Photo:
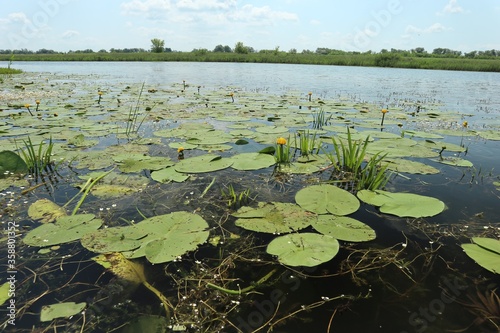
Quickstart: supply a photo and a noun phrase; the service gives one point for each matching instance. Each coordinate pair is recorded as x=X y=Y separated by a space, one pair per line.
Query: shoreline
x=389 y=60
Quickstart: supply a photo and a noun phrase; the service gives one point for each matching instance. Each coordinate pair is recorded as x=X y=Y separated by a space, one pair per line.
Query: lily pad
x=66 y=229
x=413 y=167
x=304 y=249
x=252 y=161
x=45 y=211
x=12 y=163
x=323 y=199
x=4 y=292
x=61 y=310
x=344 y=228
x=203 y=163
x=455 y=161
x=168 y=175
x=274 y=217
x=485 y=252
x=402 y=204
x=160 y=238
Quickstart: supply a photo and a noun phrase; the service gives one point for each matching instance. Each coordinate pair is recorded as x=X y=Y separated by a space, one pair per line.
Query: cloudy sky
x=354 y=25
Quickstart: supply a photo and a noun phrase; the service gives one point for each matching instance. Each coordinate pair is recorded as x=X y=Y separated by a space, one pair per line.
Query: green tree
x=240 y=48
x=157 y=45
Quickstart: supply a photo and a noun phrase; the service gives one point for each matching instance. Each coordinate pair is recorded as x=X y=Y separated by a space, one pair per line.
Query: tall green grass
x=347 y=59
x=38 y=159
x=348 y=160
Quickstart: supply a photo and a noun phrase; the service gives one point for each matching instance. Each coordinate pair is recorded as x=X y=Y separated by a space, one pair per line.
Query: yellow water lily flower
x=281 y=141
x=465 y=124
x=384 y=111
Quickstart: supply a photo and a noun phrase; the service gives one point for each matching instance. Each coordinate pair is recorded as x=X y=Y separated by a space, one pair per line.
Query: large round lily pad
x=274 y=217
x=485 y=252
x=252 y=161
x=203 y=163
x=323 y=199
x=304 y=249
x=402 y=204
x=343 y=228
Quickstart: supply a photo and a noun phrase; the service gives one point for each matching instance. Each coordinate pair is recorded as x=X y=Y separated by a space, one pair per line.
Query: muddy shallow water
x=414 y=277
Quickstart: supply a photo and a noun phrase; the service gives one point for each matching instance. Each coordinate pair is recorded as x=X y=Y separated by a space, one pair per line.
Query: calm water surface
x=473 y=93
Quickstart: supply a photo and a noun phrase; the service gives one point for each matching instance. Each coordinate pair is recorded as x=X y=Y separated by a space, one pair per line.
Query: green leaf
x=160 y=238
x=66 y=229
x=168 y=175
x=323 y=199
x=303 y=249
x=203 y=163
x=45 y=211
x=343 y=228
x=4 y=292
x=61 y=310
x=12 y=163
x=402 y=204
x=252 y=161
x=485 y=252
x=274 y=217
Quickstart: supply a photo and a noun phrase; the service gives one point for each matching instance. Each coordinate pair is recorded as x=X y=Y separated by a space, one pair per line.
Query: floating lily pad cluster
x=160 y=238
x=319 y=206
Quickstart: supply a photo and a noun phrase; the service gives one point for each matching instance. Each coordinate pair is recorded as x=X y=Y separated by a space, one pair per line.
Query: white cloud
x=70 y=34
x=205 y=4
x=451 y=7
x=315 y=22
x=137 y=7
x=249 y=13
x=434 y=28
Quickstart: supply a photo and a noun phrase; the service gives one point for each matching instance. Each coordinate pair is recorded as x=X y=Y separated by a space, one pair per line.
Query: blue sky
x=353 y=25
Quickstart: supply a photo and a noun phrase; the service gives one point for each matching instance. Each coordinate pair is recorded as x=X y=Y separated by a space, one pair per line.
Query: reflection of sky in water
x=462 y=91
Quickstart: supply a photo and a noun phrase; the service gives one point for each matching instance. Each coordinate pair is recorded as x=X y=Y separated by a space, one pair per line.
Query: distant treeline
x=487 y=61
x=242 y=49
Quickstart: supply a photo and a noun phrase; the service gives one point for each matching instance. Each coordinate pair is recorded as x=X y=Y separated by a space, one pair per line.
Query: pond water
x=414 y=277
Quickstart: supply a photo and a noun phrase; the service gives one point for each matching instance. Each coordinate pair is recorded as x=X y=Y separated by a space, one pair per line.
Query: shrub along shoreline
x=393 y=60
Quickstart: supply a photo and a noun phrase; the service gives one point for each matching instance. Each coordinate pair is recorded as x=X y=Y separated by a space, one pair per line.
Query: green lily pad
x=273 y=217
x=485 y=252
x=61 y=310
x=108 y=191
x=304 y=249
x=455 y=161
x=45 y=211
x=343 y=228
x=168 y=175
x=160 y=238
x=490 y=135
x=413 y=167
x=252 y=161
x=323 y=199
x=4 y=293
x=402 y=204
x=10 y=162
x=203 y=163
x=145 y=163
x=422 y=134
x=66 y=229
x=116 y=239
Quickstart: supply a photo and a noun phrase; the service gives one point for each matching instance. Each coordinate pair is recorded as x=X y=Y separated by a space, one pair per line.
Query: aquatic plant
x=306 y=143
x=350 y=166
x=384 y=111
x=99 y=94
x=37 y=160
x=320 y=119
x=133 y=123
x=27 y=106
x=282 y=153
x=37 y=105
x=235 y=199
